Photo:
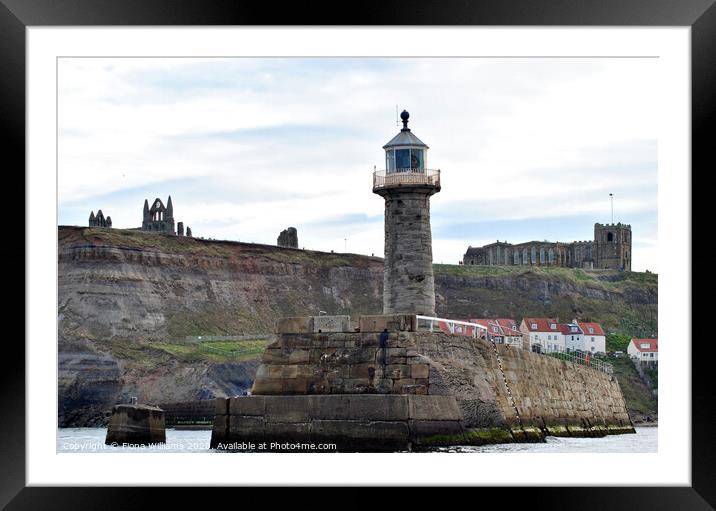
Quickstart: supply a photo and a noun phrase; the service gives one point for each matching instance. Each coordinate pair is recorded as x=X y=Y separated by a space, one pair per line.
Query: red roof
x=503 y=326
x=541 y=324
x=596 y=327
x=566 y=329
x=509 y=325
x=653 y=345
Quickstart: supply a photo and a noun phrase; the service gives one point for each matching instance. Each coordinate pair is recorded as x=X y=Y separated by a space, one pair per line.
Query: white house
x=542 y=332
x=573 y=338
x=593 y=338
x=644 y=350
x=585 y=337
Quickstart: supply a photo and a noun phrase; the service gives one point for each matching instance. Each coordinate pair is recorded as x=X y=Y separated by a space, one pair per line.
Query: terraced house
x=500 y=330
x=542 y=334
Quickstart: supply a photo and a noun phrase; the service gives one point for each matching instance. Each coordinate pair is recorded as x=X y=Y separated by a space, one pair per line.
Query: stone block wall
x=495 y=386
x=350 y=422
x=342 y=363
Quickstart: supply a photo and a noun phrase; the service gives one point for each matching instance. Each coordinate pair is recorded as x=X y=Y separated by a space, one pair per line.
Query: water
x=645 y=440
x=92 y=440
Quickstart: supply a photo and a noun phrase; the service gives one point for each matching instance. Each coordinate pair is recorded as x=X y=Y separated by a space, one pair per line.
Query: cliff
x=131 y=306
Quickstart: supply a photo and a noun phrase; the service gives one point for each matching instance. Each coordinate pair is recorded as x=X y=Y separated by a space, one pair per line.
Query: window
x=592 y=339
x=591 y=330
x=645 y=345
x=417 y=159
x=390 y=160
x=651 y=355
x=610 y=237
x=534 y=326
x=402 y=159
x=494 y=329
x=553 y=326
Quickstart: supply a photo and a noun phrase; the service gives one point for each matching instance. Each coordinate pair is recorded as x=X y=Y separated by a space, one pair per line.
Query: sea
x=76 y=440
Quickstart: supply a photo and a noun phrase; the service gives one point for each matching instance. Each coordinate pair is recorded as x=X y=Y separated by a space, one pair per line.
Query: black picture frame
x=17 y=15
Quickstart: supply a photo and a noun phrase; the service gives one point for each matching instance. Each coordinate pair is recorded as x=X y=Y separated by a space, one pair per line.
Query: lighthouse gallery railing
x=400 y=177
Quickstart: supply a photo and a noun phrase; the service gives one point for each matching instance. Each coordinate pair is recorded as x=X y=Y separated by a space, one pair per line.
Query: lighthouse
x=406 y=185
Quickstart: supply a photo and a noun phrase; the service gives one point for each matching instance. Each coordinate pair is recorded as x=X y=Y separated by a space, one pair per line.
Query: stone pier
x=136 y=424
x=335 y=423
x=389 y=386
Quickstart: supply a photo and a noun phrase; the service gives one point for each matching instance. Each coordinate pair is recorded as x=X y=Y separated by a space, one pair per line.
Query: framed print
x=437 y=240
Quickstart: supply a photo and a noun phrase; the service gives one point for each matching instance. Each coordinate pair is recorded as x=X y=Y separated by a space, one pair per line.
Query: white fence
x=454 y=326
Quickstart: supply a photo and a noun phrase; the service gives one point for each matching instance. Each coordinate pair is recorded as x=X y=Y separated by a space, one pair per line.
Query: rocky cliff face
x=623 y=302
x=128 y=300
x=129 y=303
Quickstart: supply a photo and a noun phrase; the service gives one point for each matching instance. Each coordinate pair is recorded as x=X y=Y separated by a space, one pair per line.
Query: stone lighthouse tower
x=406 y=185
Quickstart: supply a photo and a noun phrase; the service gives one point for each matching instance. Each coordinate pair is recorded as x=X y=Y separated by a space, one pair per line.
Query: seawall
x=503 y=394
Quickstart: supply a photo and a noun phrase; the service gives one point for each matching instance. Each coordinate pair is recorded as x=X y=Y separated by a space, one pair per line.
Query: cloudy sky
x=529 y=148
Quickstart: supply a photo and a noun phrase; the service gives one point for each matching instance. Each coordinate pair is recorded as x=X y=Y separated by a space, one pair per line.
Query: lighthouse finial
x=404 y=115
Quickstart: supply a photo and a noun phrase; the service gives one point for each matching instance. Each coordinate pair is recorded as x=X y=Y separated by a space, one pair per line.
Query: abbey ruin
x=158 y=218
x=611 y=249
x=99 y=220
x=288 y=238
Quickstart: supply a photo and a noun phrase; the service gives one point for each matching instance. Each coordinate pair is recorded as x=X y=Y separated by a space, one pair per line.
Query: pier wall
x=497 y=388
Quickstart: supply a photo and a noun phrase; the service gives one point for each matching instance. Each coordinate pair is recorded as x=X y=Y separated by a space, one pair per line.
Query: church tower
x=612 y=246
x=406 y=186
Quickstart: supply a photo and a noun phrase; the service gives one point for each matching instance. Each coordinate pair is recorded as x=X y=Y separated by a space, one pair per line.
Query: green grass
x=219 y=321
x=214 y=351
x=147 y=355
x=610 y=280
x=652 y=373
x=146 y=240
x=617 y=342
x=638 y=398
x=131 y=238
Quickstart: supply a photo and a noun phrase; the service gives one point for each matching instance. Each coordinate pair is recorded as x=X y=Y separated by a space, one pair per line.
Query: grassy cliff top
x=143 y=240
x=606 y=279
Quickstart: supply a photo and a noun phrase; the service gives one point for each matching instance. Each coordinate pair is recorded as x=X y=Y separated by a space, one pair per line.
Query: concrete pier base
x=137 y=425
x=335 y=423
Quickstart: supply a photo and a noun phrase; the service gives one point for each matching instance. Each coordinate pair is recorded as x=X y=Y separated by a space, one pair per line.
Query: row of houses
x=536 y=334
x=548 y=335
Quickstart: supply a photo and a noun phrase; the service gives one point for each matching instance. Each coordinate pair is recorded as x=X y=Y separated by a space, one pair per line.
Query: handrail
x=401 y=177
x=451 y=324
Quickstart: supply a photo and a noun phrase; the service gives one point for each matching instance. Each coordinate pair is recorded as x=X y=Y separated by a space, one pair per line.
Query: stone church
x=160 y=218
x=157 y=218
x=611 y=249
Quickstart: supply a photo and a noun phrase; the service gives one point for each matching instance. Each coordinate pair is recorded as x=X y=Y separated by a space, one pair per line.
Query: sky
x=528 y=148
